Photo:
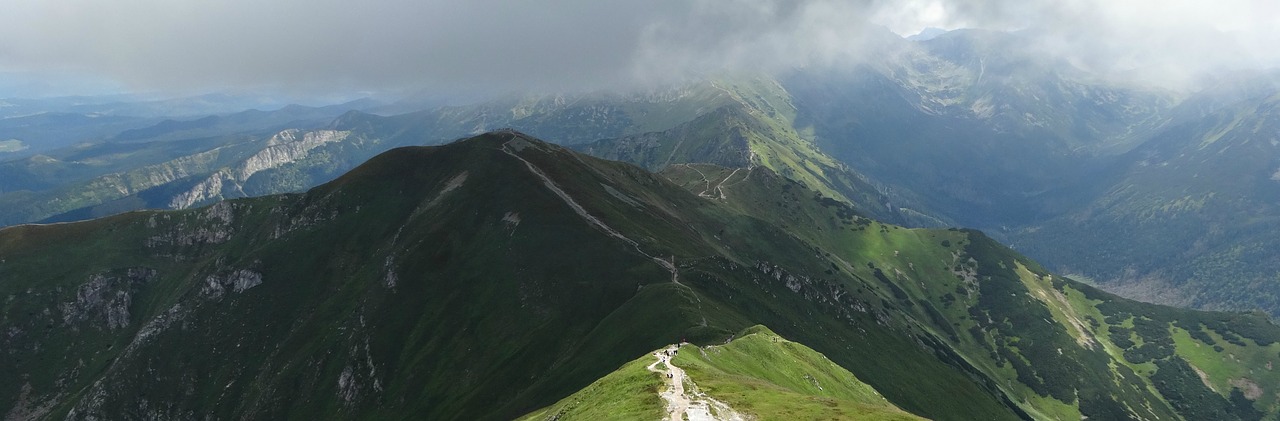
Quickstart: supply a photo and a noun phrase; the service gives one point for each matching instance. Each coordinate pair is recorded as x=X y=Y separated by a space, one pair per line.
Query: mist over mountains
x=472 y=214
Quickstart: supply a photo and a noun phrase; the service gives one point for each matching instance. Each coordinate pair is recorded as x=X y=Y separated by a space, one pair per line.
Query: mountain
x=215 y=168
x=978 y=124
x=45 y=126
x=1188 y=216
x=756 y=375
x=757 y=129
x=290 y=116
x=180 y=163
x=497 y=275
x=32 y=134
x=927 y=34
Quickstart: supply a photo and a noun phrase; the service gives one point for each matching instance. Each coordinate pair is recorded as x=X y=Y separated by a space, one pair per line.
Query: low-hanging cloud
x=496 y=45
x=1166 y=43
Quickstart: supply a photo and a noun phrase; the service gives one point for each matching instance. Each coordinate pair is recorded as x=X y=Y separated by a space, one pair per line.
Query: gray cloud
x=496 y=45
x=318 y=44
x=1169 y=43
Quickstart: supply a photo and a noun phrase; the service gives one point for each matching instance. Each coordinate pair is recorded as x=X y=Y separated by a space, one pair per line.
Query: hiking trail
x=687 y=403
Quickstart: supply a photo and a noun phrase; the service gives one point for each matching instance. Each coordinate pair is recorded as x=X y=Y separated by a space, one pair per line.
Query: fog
x=326 y=46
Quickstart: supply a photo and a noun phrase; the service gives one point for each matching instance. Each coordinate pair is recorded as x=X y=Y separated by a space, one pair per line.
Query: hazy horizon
x=346 y=49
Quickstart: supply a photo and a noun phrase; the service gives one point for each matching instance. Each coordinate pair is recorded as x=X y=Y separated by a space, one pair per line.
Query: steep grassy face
x=365 y=297
x=762 y=374
x=1040 y=340
x=494 y=276
x=362 y=297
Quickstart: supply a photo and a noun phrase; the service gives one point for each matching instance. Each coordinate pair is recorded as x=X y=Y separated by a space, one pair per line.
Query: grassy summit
x=758 y=374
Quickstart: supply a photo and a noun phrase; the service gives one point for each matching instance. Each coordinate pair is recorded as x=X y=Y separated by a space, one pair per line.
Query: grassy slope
x=319 y=296
x=762 y=374
x=757 y=128
x=631 y=392
x=329 y=329
x=757 y=373
x=424 y=346
x=1001 y=314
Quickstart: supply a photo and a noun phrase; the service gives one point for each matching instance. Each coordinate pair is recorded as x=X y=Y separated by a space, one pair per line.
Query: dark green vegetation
x=1162 y=196
x=757 y=128
x=1190 y=211
x=1157 y=195
x=498 y=275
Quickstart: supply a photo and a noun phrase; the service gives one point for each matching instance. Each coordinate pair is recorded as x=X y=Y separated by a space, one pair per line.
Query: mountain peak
x=927 y=34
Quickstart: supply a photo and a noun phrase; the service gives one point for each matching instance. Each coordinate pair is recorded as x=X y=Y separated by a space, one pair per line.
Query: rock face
x=216 y=286
x=283 y=148
x=104 y=301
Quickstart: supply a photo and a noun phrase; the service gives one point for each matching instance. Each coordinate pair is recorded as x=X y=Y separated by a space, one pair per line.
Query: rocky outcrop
x=216 y=286
x=104 y=301
x=213 y=226
x=285 y=147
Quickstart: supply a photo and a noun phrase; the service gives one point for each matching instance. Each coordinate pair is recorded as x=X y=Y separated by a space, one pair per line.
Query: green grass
x=764 y=375
x=631 y=393
x=758 y=374
x=490 y=320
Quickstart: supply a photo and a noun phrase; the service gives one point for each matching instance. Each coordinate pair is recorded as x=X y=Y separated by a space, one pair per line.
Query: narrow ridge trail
x=690 y=403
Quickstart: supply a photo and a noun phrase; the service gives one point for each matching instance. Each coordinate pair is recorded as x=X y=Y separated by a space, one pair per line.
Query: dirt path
x=717 y=191
x=705 y=181
x=688 y=404
x=720 y=186
x=592 y=220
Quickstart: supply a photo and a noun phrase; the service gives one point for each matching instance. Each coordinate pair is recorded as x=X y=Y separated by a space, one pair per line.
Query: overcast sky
x=388 y=45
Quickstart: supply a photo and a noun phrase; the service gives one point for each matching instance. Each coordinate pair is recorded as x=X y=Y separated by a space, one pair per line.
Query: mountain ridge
x=361 y=297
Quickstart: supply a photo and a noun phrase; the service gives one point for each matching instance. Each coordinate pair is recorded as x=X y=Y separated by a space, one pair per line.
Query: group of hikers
x=670 y=353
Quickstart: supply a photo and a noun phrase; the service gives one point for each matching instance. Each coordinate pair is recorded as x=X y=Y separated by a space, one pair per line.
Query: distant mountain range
x=1162 y=196
x=498 y=275
x=964 y=129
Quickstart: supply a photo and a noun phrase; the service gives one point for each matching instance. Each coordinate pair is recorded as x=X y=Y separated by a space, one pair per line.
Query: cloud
x=318 y=44
x=1171 y=43
x=753 y=35
x=498 y=45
